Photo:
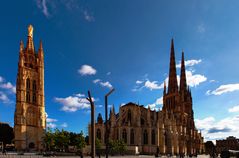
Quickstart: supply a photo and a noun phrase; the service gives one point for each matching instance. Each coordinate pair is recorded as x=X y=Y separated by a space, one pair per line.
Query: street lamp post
x=92 y=125
x=106 y=123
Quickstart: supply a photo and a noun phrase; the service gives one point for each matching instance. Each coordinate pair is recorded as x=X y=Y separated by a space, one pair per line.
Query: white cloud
x=191 y=62
x=224 y=89
x=106 y=84
x=42 y=4
x=8 y=86
x=108 y=73
x=194 y=79
x=1 y=79
x=64 y=125
x=212 y=81
x=51 y=125
x=88 y=16
x=50 y=120
x=234 y=109
x=103 y=84
x=4 y=98
x=87 y=70
x=139 y=82
x=208 y=92
x=156 y=105
x=159 y=101
x=80 y=95
x=152 y=85
x=96 y=81
x=99 y=106
x=212 y=129
x=201 y=28
x=73 y=103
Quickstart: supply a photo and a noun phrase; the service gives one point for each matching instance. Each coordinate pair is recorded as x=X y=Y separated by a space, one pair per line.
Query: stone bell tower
x=30 y=116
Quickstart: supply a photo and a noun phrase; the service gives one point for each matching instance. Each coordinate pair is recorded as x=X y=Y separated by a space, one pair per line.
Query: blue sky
x=96 y=45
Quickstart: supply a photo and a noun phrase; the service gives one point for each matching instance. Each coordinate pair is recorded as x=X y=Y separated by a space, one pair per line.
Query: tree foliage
x=60 y=140
x=6 y=133
x=117 y=147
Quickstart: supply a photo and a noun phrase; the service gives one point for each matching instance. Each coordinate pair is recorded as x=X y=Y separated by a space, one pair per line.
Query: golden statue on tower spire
x=30 y=30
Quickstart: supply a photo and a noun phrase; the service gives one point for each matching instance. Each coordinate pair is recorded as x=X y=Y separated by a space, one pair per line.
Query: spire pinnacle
x=164 y=90
x=172 y=82
x=183 y=81
x=40 y=46
x=30 y=31
x=30 y=45
x=21 y=46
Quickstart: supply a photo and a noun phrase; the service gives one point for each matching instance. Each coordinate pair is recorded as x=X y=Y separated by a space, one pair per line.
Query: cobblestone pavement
x=13 y=155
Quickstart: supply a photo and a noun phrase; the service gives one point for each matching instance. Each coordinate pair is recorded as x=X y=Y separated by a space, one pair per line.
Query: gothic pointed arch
x=153 y=137
x=124 y=135
x=132 y=135
x=98 y=134
x=145 y=137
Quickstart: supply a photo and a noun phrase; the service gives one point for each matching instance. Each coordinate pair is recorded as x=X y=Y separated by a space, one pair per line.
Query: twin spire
x=172 y=81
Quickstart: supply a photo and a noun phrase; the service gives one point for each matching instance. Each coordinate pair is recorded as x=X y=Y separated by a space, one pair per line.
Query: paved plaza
x=13 y=155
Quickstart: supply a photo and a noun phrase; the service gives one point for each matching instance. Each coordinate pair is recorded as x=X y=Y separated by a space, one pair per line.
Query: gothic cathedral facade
x=171 y=130
x=30 y=116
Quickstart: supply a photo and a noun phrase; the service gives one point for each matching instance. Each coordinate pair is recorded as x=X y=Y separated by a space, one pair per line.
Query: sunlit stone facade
x=172 y=130
x=30 y=116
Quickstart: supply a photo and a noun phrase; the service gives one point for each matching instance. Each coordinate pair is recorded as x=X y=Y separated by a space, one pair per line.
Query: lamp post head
x=111 y=91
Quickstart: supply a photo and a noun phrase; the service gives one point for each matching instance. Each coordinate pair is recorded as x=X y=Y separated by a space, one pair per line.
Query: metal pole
x=106 y=124
x=92 y=125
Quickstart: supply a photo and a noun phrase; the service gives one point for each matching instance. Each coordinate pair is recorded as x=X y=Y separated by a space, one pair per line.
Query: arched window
x=28 y=90
x=98 y=134
x=142 y=121
x=34 y=88
x=131 y=136
x=129 y=115
x=124 y=135
x=28 y=84
x=31 y=120
x=28 y=97
x=145 y=137
x=34 y=85
x=165 y=137
x=153 y=137
x=34 y=98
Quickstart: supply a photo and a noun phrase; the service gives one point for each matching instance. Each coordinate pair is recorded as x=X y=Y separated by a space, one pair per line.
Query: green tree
x=122 y=147
x=80 y=141
x=61 y=140
x=49 y=139
x=98 y=146
x=6 y=134
x=117 y=147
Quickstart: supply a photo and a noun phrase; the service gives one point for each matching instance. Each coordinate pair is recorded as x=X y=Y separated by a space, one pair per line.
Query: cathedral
x=30 y=116
x=171 y=130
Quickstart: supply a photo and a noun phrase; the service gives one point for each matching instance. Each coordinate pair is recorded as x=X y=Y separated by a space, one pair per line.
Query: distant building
x=230 y=143
x=172 y=129
x=30 y=116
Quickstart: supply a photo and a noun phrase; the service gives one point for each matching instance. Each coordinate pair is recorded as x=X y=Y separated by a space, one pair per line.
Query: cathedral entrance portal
x=31 y=145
